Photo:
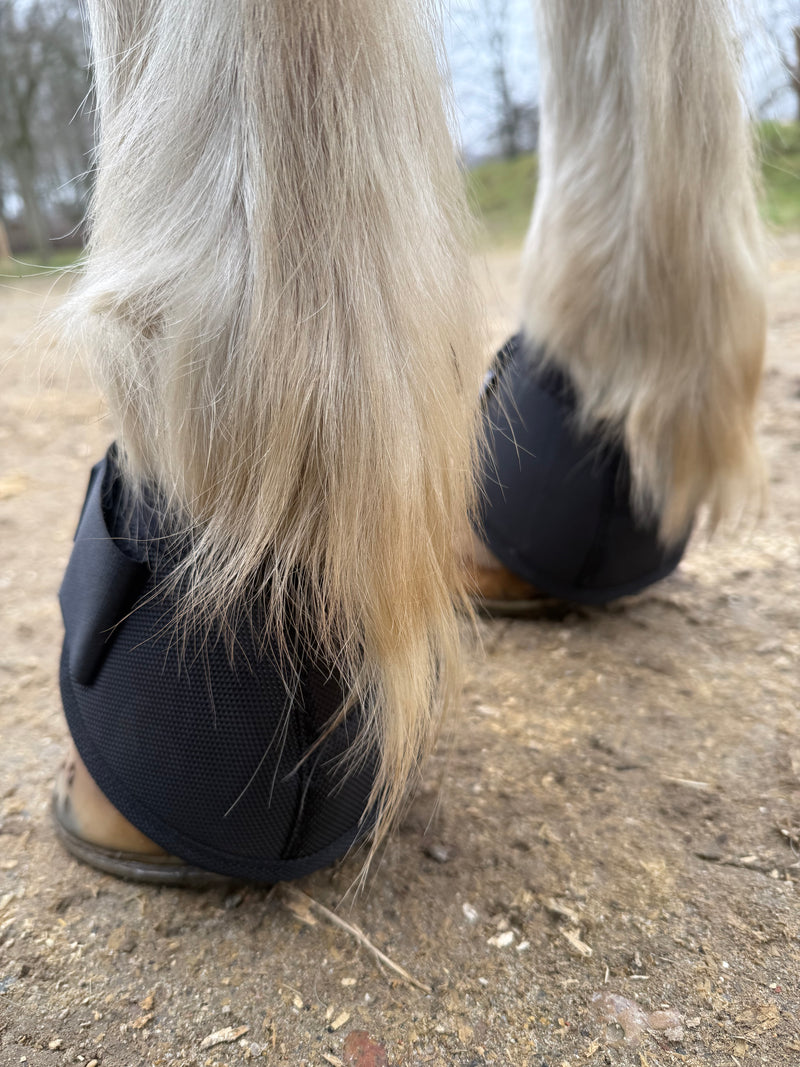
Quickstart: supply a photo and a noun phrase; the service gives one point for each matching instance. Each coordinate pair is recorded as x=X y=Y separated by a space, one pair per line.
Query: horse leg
x=276 y=303
x=643 y=294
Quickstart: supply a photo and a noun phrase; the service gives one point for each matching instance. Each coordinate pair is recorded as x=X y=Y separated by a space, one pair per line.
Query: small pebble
x=502 y=940
x=122 y=940
x=437 y=852
x=361 y=1051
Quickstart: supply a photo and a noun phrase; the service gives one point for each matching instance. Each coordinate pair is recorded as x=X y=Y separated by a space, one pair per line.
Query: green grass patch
x=501 y=191
x=24 y=266
x=780 y=166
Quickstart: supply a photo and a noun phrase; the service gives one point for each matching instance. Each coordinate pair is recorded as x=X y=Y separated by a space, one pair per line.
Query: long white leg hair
x=643 y=264
x=277 y=304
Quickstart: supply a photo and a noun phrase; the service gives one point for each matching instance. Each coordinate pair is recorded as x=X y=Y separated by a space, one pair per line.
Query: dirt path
x=618 y=843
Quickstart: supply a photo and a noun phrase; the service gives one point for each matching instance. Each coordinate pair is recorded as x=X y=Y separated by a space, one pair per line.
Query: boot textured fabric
x=556 y=507
x=213 y=754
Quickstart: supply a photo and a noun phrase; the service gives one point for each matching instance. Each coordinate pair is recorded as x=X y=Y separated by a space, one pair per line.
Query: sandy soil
x=610 y=879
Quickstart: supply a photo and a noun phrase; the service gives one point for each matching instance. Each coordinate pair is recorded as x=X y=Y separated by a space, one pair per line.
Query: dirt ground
x=612 y=875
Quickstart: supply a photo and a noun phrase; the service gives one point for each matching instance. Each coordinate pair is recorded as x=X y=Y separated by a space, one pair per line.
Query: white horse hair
x=643 y=273
x=278 y=306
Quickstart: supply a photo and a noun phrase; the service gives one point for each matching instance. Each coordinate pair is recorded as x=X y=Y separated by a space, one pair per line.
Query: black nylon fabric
x=555 y=502
x=204 y=756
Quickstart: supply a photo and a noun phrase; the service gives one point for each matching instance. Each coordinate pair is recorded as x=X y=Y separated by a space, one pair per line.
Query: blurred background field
x=501 y=190
x=780 y=161
x=47 y=118
x=501 y=193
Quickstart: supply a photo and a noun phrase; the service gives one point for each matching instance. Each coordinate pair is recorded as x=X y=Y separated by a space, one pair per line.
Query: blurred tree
x=5 y=247
x=45 y=137
x=517 y=120
x=493 y=58
x=777 y=32
x=793 y=69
